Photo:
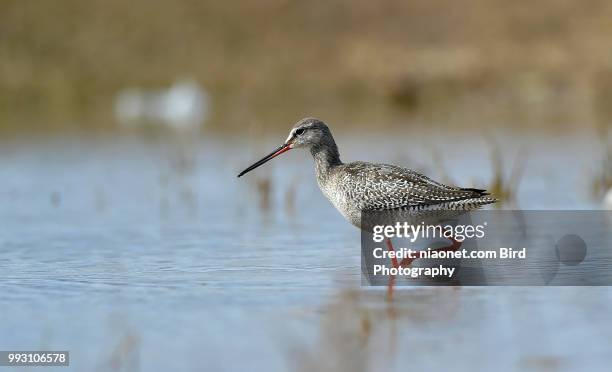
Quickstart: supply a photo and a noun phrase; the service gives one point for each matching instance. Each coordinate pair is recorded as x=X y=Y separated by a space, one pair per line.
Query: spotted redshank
x=359 y=187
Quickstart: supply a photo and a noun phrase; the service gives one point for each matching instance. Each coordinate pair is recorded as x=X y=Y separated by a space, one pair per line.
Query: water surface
x=150 y=255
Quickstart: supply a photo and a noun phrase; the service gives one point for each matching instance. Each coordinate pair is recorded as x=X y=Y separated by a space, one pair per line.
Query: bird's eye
x=299 y=131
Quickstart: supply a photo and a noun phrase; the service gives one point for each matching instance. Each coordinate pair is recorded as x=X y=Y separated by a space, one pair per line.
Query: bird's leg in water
x=391 y=249
x=391 y=277
x=455 y=245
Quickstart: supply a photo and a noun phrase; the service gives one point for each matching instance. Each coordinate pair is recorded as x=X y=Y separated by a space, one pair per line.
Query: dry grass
x=477 y=62
x=602 y=179
x=504 y=185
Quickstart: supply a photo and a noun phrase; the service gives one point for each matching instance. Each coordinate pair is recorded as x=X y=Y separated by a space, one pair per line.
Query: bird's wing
x=378 y=187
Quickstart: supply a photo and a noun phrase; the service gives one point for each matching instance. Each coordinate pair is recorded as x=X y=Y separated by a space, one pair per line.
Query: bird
x=361 y=188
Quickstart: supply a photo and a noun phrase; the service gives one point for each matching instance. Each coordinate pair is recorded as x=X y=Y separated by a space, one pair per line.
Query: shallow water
x=152 y=255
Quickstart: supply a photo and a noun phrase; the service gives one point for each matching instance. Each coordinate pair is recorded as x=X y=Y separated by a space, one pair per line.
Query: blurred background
x=478 y=63
x=127 y=239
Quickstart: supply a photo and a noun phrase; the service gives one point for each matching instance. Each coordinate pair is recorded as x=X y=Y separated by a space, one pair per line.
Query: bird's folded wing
x=378 y=187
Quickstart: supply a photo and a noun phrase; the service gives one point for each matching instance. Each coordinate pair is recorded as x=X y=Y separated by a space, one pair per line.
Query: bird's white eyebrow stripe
x=291 y=135
x=304 y=128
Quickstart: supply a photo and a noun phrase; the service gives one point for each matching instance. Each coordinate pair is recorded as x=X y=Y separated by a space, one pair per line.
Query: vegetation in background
x=602 y=179
x=474 y=62
x=504 y=185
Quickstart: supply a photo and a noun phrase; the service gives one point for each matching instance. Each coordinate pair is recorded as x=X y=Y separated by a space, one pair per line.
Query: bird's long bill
x=273 y=154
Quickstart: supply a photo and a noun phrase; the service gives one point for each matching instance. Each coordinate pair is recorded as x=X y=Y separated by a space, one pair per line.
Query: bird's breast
x=335 y=194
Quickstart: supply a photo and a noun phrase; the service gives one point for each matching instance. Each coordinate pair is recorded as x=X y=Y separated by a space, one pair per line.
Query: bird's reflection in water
x=360 y=330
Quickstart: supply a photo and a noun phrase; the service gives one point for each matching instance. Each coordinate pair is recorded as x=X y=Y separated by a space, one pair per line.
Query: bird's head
x=306 y=133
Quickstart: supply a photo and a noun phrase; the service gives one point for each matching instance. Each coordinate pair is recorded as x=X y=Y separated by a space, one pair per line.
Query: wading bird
x=359 y=187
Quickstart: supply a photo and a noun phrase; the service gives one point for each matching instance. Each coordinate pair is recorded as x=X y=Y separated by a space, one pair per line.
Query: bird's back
x=360 y=187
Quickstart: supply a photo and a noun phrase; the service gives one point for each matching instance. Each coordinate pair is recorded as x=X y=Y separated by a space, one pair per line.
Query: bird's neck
x=325 y=157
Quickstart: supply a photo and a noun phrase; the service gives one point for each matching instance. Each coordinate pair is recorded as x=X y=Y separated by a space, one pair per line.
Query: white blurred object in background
x=607 y=201
x=183 y=106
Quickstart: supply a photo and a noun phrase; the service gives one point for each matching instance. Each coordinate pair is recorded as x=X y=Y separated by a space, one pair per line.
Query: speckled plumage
x=360 y=188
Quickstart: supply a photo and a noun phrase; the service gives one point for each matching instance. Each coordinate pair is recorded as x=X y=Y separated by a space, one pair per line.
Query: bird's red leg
x=455 y=245
x=406 y=261
x=392 y=277
x=391 y=249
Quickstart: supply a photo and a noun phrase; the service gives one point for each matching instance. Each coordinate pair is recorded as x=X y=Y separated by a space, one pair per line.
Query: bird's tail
x=478 y=192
